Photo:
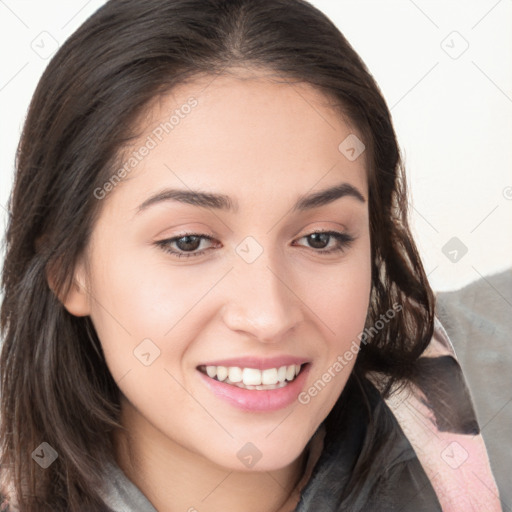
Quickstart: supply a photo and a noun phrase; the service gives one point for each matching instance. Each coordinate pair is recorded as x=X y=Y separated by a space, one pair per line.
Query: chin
x=259 y=456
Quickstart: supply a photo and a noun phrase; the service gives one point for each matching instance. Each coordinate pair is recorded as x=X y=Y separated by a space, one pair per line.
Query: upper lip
x=259 y=363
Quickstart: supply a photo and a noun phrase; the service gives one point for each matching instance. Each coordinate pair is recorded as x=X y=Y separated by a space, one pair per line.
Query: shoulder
x=367 y=462
x=396 y=479
x=121 y=495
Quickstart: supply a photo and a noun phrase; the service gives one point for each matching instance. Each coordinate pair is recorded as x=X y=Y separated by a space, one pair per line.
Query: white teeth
x=235 y=374
x=269 y=376
x=222 y=373
x=253 y=378
x=262 y=387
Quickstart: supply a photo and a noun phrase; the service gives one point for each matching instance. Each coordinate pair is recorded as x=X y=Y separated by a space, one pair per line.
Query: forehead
x=243 y=134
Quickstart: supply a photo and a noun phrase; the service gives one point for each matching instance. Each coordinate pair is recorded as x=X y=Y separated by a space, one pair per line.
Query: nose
x=262 y=300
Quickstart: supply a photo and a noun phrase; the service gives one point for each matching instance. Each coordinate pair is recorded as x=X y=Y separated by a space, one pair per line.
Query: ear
x=76 y=301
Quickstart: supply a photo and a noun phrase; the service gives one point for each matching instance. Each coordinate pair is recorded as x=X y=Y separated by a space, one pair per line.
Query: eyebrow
x=224 y=202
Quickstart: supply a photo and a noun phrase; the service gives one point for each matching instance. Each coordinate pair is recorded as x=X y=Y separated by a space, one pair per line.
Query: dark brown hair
x=55 y=385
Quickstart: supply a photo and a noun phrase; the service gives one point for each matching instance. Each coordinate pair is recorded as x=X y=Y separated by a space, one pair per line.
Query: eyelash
x=344 y=241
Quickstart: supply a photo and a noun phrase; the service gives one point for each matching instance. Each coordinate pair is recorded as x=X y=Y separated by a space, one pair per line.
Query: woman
x=211 y=293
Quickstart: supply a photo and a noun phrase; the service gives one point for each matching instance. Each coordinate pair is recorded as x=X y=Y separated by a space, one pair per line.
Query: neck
x=173 y=478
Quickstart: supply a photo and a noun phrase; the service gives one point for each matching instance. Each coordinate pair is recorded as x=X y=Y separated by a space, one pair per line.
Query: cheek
x=341 y=300
x=140 y=296
x=134 y=300
x=137 y=283
x=345 y=308
x=340 y=296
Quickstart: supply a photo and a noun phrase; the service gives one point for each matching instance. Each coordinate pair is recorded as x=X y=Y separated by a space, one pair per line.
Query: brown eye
x=321 y=239
x=186 y=245
x=188 y=242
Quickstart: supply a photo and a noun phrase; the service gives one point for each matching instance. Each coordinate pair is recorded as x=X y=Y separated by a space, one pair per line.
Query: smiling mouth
x=252 y=378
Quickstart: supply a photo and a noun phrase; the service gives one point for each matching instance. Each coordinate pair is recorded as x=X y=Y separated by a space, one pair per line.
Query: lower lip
x=258 y=400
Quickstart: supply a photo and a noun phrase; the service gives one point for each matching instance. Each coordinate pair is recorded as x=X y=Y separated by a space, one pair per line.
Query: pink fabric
x=456 y=464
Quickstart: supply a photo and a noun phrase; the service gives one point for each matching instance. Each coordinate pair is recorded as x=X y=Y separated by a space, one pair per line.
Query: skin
x=264 y=144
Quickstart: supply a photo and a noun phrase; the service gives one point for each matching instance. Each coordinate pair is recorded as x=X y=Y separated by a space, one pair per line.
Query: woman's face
x=258 y=289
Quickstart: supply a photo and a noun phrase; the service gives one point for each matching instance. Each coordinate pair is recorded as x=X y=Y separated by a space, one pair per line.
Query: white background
x=452 y=110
